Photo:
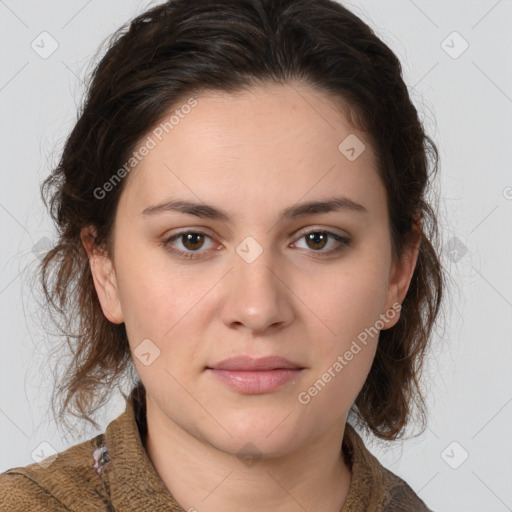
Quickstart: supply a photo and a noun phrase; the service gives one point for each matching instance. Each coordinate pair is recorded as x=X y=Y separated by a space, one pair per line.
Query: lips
x=251 y=376
x=246 y=363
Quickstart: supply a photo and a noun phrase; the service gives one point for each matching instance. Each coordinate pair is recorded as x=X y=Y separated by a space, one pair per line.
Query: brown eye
x=316 y=240
x=192 y=241
x=188 y=244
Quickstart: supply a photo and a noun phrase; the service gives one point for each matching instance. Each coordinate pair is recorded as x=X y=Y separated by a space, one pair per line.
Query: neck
x=201 y=477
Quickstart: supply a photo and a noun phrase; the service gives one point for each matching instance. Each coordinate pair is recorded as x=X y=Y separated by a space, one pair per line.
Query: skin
x=252 y=154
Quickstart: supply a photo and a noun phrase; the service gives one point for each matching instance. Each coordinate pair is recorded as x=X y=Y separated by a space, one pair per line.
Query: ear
x=104 y=276
x=400 y=276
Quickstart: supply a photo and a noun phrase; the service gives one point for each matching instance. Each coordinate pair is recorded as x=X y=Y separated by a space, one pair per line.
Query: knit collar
x=132 y=480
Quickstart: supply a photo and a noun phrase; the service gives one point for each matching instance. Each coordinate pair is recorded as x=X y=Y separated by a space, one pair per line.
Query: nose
x=257 y=297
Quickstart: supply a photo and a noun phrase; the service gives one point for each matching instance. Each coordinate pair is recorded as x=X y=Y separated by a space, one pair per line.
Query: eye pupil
x=317 y=238
x=190 y=238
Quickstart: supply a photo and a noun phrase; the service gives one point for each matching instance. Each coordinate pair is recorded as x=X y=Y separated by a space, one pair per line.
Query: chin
x=251 y=447
x=265 y=434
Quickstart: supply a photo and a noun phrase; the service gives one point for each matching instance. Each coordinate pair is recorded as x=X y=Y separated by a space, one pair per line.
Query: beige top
x=112 y=472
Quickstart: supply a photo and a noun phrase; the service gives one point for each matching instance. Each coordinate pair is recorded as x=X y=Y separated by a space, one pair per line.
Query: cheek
x=349 y=300
x=350 y=304
x=160 y=306
x=152 y=298
x=330 y=392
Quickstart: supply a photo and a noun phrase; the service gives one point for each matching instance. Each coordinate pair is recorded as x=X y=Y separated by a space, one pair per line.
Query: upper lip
x=248 y=363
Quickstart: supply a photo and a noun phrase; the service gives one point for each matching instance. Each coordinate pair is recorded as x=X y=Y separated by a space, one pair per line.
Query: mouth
x=247 y=363
x=251 y=376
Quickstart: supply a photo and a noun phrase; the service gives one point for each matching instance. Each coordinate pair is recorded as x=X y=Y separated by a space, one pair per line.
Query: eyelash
x=344 y=242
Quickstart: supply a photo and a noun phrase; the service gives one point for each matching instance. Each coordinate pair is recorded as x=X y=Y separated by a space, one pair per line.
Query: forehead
x=279 y=142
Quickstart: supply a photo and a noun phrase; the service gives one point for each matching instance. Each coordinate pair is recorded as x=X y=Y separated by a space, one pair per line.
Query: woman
x=243 y=222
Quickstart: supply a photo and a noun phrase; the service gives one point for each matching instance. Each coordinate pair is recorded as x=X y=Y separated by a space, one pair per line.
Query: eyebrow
x=206 y=211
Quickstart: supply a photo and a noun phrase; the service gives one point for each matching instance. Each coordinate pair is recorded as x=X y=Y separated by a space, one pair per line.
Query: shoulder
x=18 y=492
x=67 y=481
x=373 y=485
x=398 y=496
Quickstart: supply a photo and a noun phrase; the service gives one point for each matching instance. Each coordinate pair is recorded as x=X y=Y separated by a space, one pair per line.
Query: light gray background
x=466 y=103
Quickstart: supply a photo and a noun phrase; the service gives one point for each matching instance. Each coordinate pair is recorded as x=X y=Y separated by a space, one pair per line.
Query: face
x=265 y=277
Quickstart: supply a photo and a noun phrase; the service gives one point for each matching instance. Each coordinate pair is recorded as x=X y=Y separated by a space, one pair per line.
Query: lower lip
x=256 y=382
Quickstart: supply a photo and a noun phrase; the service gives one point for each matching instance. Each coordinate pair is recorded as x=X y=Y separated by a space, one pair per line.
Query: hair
x=184 y=47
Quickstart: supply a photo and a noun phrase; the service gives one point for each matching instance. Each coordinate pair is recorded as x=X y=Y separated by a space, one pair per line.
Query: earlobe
x=104 y=277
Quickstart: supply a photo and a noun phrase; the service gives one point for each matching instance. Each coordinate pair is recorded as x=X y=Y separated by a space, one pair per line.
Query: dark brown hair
x=184 y=47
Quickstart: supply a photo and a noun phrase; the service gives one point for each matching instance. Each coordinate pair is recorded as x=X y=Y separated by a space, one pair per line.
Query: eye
x=319 y=239
x=191 y=241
